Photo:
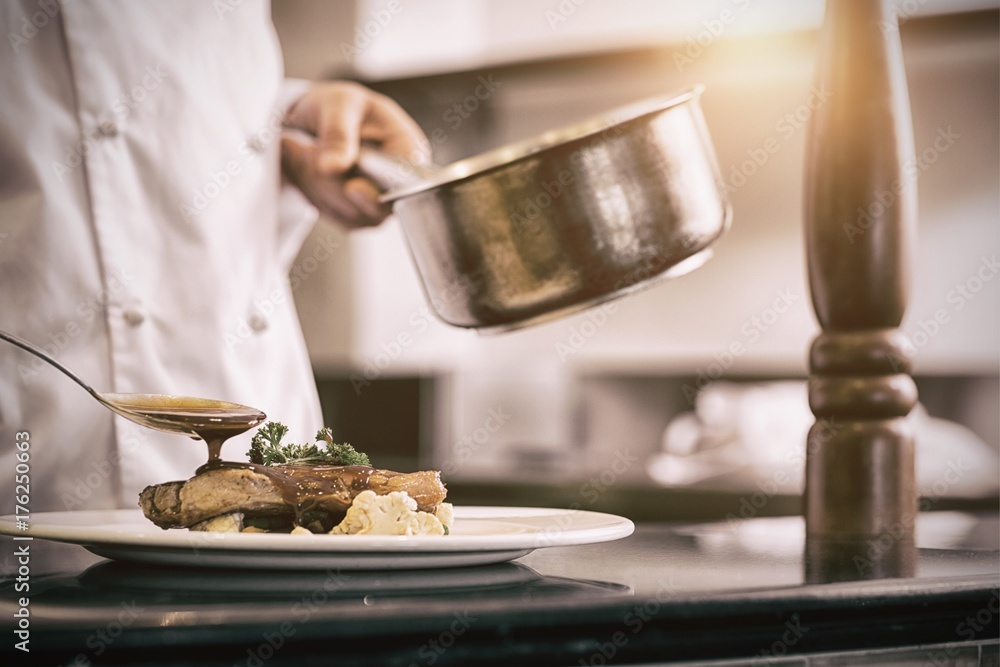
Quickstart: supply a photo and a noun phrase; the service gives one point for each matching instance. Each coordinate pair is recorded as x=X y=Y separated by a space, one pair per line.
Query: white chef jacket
x=145 y=236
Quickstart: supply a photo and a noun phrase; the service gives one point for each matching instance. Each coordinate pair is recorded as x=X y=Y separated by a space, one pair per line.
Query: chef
x=150 y=211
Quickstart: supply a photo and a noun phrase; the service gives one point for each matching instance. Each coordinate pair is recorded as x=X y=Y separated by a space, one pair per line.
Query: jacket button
x=108 y=128
x=256 y=144
x=257 y=321
x=134 y=317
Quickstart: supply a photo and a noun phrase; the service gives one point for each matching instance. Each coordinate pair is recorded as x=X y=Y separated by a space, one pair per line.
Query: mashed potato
x=392 y=514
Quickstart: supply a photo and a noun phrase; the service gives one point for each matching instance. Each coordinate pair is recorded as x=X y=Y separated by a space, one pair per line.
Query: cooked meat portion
x=313 y=496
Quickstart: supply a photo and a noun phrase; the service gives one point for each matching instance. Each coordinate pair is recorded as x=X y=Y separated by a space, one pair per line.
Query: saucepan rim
x=467 y=168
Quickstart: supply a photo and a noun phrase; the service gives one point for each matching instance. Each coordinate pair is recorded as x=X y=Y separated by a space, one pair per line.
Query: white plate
x=480 y=535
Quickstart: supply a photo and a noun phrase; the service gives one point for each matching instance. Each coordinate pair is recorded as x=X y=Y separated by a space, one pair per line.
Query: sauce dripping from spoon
x=205 y=418
x=200 y=418
x=215 y=422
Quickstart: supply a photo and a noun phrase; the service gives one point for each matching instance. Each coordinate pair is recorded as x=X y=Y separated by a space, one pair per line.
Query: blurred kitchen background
x=641 y=408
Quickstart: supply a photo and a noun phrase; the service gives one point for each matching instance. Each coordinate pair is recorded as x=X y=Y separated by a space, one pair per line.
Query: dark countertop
x=670 y=592
x=652 y=503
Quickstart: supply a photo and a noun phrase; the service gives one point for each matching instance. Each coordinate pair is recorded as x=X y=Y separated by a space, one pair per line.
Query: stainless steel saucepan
x=570 y=219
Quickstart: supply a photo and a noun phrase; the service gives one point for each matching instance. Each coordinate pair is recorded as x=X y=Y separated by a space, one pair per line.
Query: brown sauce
x=304 y=488
x=200 y=418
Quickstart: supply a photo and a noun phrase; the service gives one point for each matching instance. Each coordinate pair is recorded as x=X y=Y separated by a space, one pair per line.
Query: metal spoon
x=211 y=420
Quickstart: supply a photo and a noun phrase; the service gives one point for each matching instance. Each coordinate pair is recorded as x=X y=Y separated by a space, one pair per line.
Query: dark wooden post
x=860 y=213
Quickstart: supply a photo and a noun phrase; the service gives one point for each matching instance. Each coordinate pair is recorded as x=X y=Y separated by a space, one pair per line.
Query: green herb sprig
x=266 y=449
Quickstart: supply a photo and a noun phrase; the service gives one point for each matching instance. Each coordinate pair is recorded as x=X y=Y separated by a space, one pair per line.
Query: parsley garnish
x=266 y=449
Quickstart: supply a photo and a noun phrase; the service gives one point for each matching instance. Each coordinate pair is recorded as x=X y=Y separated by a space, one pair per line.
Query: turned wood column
x=860 y=214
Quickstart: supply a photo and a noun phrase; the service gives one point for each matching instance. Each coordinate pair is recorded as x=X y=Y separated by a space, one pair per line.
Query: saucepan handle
x=389 y=172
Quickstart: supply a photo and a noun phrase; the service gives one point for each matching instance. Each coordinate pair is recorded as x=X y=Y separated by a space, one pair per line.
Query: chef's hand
x=341 y=115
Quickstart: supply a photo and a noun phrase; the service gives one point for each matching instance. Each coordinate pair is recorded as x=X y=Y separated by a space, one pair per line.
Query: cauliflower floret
x=392 y=514
x=445 y=513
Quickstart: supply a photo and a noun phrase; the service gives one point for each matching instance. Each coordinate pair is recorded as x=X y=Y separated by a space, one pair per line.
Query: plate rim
x=606 y=527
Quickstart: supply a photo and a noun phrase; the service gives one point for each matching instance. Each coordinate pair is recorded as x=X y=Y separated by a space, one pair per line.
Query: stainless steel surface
x=575 y=217
x=664 y=591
